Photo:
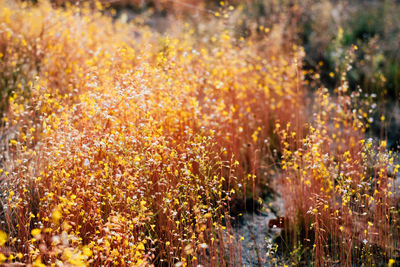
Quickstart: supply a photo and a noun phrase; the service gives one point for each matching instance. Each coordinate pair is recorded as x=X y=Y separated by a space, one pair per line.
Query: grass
x=125 y=146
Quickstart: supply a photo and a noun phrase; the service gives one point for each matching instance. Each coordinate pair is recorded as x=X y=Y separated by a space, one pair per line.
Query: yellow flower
x=13 y=142
x=140 y=246
x=56 y=215
x=2 y=258
x=38 y=263
x=3 y=238
x=36 y=232
x=87 y=251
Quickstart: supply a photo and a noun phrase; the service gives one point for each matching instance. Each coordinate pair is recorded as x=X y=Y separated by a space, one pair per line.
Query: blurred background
x=325 y=28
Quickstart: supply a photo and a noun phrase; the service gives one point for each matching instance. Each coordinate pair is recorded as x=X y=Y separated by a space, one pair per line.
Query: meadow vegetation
x=125 y=145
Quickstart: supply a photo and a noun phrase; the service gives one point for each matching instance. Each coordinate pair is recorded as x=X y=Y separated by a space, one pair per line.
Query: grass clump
x=341 y=199
x=129 y=149
x=122 y=145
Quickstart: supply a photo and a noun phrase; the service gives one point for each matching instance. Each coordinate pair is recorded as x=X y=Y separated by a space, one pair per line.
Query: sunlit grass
x=124 y=146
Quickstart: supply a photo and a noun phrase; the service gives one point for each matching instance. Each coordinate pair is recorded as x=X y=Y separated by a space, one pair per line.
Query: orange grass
x=124 y=146
x=341 y=200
